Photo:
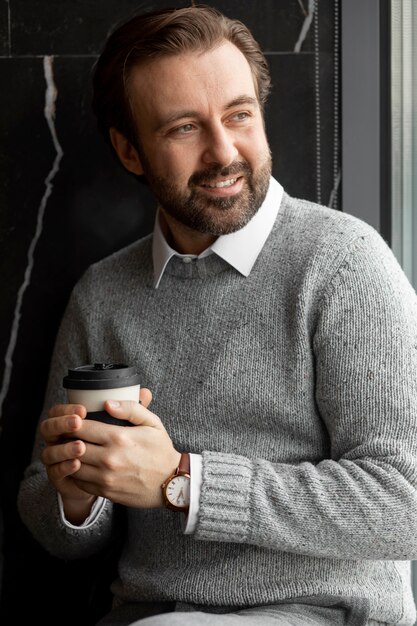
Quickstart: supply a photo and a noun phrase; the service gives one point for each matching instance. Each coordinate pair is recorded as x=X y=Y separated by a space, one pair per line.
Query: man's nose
x=220 y=147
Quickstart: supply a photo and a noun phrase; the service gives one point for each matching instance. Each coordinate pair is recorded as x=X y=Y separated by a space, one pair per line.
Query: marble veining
x=306 y=24
x=49 y=112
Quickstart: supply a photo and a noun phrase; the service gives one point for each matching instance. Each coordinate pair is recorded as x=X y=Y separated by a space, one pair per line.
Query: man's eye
x=241 y=116
x=184 y=129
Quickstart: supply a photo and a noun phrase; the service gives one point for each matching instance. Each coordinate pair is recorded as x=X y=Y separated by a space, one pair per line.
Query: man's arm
x=361 y=502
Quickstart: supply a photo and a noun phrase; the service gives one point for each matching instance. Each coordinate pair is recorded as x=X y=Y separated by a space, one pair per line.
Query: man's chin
x=206 y=197
x=222 y=222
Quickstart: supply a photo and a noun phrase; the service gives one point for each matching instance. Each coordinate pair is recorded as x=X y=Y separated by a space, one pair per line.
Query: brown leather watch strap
x=184 y=465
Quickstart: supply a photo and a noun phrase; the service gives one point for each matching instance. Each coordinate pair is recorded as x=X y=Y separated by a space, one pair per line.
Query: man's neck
x=181 y=238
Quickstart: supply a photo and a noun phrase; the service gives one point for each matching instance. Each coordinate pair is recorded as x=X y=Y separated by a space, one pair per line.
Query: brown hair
x=159 y=33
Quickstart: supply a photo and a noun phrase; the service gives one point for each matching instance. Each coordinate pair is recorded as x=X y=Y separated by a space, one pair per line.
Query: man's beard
x=211 y=215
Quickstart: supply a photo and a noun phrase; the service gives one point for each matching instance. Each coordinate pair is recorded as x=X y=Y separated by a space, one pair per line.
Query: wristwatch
x=176 y=488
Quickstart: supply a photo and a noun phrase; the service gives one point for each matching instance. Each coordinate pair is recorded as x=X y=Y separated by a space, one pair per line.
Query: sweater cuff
x=224 y=513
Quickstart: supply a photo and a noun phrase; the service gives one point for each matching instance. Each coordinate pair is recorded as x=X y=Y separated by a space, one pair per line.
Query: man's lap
x=290 y=614
x=285 y=615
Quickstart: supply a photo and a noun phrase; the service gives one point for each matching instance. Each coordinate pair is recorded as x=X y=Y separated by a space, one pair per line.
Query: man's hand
x=84 y=458
x=126 y=465
x=61 y=457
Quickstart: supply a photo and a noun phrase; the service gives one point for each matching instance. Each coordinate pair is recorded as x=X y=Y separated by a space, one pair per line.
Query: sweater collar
x=239 y=249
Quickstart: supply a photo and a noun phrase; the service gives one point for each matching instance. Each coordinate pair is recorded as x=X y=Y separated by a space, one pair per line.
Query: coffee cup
x=91 y=385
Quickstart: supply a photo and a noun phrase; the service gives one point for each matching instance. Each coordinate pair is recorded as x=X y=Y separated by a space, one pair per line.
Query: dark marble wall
x=65 y=203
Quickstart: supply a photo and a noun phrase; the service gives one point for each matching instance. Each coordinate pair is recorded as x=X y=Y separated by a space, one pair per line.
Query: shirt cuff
x=94 y=513
x=196 y=471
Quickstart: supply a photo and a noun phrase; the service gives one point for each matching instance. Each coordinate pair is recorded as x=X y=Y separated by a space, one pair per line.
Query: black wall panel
x=66 y=203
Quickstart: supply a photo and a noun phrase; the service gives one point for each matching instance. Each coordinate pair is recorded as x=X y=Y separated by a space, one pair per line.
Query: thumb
x=145 y=397
x=132 y=412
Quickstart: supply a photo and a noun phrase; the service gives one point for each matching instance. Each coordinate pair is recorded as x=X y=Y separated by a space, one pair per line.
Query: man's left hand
x=127 y=464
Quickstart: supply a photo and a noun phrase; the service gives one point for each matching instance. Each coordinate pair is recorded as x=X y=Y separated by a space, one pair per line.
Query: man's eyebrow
x=180 y=115
x=175 y=117
x=242 y=100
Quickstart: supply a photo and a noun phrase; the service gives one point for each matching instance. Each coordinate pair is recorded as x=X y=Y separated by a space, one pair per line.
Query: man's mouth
x=221 y=183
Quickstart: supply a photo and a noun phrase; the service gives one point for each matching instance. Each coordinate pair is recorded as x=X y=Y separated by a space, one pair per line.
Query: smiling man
x=201 y=142
x=272 y=481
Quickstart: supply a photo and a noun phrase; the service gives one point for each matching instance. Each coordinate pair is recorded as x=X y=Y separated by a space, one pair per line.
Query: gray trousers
x=317 y=612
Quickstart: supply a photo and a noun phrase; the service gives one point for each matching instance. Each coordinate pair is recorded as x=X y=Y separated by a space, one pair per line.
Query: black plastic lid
x=101 y=376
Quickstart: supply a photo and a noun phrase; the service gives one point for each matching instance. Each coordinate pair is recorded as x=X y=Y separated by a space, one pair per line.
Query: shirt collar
x=240 y=249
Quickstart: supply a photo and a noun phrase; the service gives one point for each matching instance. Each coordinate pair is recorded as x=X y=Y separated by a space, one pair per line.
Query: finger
x=145 y=397
x=67 y=409
x=133 y=412
x=55 y=427
x=59 y=471
x=63 y=452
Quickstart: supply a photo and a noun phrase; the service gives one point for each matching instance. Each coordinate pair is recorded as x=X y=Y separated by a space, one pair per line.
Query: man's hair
x=164 y=32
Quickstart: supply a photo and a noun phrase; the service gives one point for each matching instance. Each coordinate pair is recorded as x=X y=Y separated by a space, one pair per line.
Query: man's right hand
x=61 y=457
x=63 y=452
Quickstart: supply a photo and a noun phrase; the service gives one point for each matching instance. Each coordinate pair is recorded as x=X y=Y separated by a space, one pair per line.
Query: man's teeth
x=222 y=183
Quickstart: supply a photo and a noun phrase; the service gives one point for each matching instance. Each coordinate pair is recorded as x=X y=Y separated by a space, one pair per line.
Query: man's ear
x=127 y=154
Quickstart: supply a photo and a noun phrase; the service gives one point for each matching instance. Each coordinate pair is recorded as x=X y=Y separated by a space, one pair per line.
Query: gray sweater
x=298 y=385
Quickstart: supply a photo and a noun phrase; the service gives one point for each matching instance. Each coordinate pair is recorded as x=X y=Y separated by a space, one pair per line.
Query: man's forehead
x=222 y=73
x=225 y=57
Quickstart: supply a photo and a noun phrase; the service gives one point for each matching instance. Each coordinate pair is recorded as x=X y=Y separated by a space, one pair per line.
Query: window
x=404 y=134
x=404 y=144
x=379 y=125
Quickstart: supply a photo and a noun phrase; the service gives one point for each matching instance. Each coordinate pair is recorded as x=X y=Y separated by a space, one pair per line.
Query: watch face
x=178 y=491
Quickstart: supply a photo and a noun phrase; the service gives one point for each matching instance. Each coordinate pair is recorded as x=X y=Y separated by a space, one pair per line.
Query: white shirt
x=240 y=249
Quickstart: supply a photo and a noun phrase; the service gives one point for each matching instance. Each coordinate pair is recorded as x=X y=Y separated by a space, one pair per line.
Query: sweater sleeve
x=361 y=502
x=39 y=509
x=37 y=498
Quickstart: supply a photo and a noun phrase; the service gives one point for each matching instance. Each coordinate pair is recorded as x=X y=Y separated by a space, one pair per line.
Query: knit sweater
x=296 y=384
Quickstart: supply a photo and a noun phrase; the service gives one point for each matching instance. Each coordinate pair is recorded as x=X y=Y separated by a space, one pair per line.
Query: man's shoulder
x=127 y=267
x=312 y=214
x=314 y=240
x=318 y=227
x=134 y=255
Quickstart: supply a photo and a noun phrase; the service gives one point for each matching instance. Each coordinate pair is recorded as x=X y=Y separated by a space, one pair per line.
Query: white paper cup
x=92 y=385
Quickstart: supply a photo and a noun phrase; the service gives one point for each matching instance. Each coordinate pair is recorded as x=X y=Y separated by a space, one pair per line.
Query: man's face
x=202 y=140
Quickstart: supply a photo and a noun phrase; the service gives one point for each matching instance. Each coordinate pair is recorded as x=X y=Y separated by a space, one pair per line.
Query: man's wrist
x=176 y=488
x=77 y=511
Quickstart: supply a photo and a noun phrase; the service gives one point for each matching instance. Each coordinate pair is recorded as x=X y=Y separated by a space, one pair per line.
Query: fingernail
x=114 y=404
x=76 y=448
x=71 y=422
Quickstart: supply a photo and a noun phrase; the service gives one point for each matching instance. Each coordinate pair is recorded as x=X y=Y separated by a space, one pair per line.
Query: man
x=277 y=340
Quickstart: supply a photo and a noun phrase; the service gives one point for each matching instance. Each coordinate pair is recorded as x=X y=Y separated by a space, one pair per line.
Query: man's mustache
x=238 y=168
